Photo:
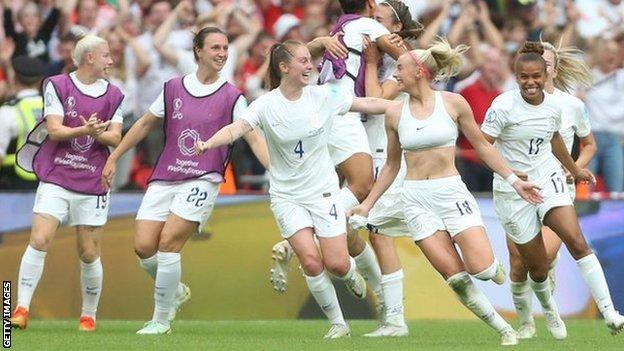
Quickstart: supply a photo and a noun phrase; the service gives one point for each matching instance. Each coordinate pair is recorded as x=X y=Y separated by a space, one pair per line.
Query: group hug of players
x=374 y=119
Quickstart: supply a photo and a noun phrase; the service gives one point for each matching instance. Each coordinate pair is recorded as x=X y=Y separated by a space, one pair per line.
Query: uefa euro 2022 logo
x=177 y=105
x=70 y=103
x=187 y=140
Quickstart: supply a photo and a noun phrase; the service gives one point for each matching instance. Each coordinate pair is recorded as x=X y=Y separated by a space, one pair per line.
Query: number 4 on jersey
x=299 y=149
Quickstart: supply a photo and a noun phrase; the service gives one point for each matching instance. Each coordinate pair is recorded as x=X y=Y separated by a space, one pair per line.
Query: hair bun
x=532 y=47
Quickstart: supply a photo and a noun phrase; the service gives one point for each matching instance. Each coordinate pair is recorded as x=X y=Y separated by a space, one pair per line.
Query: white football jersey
x=574 y=118
x=523 y=133
x=296 y=133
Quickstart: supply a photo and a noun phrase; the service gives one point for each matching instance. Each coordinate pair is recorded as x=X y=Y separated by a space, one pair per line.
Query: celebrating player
x=67 y=150
x=439 y=210
x=565 y=70
x=524 y=124
x=296 y=119
x=183 y=187
x=348 y=144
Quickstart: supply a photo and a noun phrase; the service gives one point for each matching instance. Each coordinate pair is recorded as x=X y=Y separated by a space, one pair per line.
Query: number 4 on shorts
x=332 y=211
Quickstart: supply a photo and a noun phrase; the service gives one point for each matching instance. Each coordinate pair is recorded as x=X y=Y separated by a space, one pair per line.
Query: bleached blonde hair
x=572 y=71
x=440 y=59
x=85 y=45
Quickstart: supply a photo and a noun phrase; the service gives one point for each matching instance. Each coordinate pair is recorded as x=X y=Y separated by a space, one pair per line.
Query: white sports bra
x=436 y=131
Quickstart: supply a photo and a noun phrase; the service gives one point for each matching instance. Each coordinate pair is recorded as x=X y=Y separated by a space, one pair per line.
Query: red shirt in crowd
x=479 y=97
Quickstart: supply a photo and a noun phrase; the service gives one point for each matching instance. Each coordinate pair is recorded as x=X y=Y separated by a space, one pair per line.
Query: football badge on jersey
x=491 y=116
x=177 y=105
x=70 y=103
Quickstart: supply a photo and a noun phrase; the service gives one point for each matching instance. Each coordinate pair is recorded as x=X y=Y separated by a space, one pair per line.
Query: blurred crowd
x=151 y=42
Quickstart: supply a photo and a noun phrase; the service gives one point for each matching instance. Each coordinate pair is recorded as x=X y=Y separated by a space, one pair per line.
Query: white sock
x=347 y=199
x=166 y=285
x=489 y=272
x=476 y=302
x=543 y=292
x=392 y=291
x=523 y=301
x=150 y=265
x=368 y=267
x=30 y=272
x=351 y=271
x=592 y=274
x=324 y=293
x=91 y=276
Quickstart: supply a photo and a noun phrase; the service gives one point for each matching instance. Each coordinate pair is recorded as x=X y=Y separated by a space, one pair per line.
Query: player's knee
x=355 y=244
x=169 y=245
x=538 y=271
x=145 y=249
x=338 y=266
x=311 y=264
x=88 y=253
x=40 y=243
x=517 y=271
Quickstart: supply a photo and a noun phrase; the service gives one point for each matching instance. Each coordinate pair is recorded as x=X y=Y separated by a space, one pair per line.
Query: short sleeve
x=119 y=112
x=558 y=118
x=494 y=122
x=157 y=108
x=340 y=101
x=582 y=126
x=239 y=108
x=375 y=30
x=51 y=103
x=253 y=113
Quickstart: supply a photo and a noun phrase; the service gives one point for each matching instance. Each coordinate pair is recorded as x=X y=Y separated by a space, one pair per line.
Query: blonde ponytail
x=572 y=71
x=441 y=60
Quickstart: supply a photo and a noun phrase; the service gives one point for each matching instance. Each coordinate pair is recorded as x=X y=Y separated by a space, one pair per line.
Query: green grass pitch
x=300 y=335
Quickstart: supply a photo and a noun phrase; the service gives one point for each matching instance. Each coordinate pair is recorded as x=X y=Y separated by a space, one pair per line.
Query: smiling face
x=549 y=57
x=407 y=73
x=214 y=52
x=531 y=77
x=100 y=60
x=385 y=16
x=299 y=68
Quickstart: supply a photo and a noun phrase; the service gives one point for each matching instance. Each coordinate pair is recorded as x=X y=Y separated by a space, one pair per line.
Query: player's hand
x=569 y=176
x=396 y=40
x=200 y=147
x=370 y=50
x=108 y=173
x=335 y=48
x=584 y=176
x=359 y=210
x=522 y=175
x=94 y=126
x=528 y=191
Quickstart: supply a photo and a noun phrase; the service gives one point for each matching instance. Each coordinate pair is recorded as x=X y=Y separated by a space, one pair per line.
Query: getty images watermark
x=6 y=314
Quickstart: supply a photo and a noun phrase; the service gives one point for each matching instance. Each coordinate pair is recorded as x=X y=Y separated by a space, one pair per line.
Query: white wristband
x=512 y=179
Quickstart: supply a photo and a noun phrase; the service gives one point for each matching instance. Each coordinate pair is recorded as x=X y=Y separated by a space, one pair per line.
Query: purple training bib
x=75 y=164
x=188 y=119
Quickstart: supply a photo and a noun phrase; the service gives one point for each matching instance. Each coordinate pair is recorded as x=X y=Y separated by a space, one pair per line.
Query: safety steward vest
x=27 y=109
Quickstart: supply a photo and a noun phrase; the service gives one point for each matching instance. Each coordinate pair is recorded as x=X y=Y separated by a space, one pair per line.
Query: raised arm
x=162 y=33
x=330 y=44
x=226 y=135
x=390 y=169
x=138 y=132
x=370 y=106
x=487 y=153
x=386 y=90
